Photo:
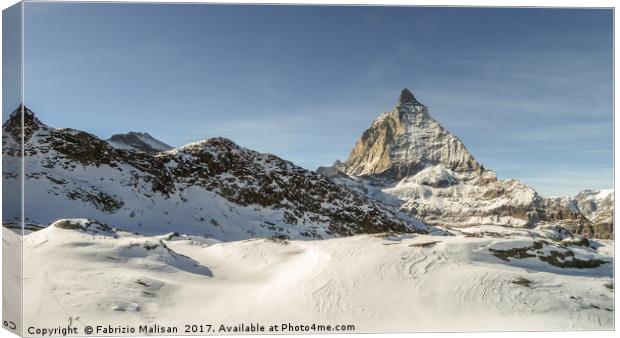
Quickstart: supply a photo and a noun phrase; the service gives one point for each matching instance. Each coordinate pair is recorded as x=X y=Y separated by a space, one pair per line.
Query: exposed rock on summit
x=406 y=97
x=138 y=141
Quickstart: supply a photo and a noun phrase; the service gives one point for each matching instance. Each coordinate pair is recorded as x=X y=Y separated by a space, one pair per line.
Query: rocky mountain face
x=139 y=142
x=598 y=207
x=212 y=187
x=408 y=159
x=405 y=141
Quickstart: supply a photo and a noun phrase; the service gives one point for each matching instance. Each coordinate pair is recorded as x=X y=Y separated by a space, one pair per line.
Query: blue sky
x=529 y=91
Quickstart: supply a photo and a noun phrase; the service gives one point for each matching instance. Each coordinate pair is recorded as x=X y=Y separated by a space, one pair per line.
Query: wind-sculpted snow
x=480 y=278
x=129 y=248
x=212 y=187
x=409 y=160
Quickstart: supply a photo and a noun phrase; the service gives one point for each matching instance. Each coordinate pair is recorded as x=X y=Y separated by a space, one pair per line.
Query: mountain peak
x=22 y=109
x=13 y=125
x=138 y=141
x=407 y=97
x=405 y=141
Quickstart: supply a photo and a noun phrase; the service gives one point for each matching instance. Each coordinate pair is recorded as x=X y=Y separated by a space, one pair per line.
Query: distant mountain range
x=212 y=188
x=406 y=173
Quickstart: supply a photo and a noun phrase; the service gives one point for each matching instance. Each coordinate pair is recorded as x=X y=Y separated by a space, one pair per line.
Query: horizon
x=216 y=137
x=528 y=91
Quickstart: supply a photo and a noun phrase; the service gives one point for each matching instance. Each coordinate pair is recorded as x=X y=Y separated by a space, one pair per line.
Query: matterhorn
x=408 y=159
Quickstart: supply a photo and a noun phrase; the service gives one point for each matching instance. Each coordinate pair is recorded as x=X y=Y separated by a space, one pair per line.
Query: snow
x=385 y=283
x=463 y=202
x=435 y=175
x=604 y=193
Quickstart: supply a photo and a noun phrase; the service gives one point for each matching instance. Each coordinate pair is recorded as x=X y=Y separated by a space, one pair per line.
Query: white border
x=470 y=3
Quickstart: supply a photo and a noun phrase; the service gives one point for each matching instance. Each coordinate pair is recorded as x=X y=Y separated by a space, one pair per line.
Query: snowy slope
x=429 y=173
x=138 y=141
x=483 y=278
x=463 y=202
x=213 y=188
